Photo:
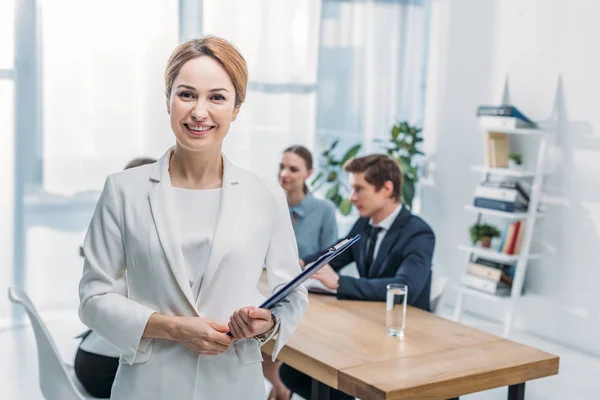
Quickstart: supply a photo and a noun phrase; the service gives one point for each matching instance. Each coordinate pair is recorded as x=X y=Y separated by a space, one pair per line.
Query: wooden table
x=342 y=344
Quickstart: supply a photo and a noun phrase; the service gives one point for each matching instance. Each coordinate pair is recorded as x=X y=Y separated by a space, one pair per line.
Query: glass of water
x=396 y=309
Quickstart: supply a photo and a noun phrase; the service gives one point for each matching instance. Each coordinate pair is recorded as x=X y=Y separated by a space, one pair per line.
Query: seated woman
x=314 y=225
x=96 y=360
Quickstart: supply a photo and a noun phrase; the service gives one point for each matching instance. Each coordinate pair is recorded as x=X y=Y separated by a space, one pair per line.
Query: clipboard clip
x=337 y=246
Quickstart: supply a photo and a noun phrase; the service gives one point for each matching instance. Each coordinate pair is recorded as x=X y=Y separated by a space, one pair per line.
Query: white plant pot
x=513 y=165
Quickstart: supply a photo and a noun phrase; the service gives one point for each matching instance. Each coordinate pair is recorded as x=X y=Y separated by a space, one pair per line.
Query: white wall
x=475 y=44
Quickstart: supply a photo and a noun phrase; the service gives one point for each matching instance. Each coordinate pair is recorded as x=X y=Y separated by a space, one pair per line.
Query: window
x=102 y=104
x=7 y=133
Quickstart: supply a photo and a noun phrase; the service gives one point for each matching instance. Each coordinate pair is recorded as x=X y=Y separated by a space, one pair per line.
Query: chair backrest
x=55 y=382
x=438 y=286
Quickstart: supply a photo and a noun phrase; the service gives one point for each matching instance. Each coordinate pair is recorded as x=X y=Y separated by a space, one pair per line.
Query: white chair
x=438 y=286
x=57 y=381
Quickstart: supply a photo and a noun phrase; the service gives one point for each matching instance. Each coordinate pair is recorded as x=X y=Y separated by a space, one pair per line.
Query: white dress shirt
x=385 y=226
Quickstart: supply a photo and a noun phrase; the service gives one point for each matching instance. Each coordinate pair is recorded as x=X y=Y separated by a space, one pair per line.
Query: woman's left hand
x=250 y=321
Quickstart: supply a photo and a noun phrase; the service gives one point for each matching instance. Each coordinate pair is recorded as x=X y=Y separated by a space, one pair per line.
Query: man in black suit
x=395 y=247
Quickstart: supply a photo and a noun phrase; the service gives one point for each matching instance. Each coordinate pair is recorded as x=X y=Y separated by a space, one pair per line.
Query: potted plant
x=515 y=161
x=331 y=176
x=403 y=146
x=483 y=233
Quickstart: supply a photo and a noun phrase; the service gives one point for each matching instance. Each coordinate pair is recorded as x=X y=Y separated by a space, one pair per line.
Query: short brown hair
x=218 y=49
x=378 y=169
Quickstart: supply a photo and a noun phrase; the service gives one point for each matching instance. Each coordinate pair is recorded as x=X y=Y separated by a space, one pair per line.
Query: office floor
x=577 y=379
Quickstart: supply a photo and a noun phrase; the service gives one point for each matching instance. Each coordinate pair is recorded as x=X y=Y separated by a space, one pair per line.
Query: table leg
x=516 y=392
x=319 y=391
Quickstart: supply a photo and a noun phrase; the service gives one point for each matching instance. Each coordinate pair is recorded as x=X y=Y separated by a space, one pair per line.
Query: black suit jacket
x=404 y=256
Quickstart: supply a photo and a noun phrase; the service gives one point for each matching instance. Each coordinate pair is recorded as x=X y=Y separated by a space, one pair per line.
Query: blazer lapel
x=226 y=221
x=389 y=240
x=166 y=224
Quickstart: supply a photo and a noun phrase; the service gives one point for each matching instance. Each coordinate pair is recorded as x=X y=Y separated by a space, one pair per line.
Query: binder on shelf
x=506 y=206
x=504 y=110
x=503 y=123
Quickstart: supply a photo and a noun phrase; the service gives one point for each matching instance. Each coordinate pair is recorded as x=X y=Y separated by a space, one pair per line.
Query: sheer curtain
x=103 y=104
x=279 y=40
x=322 y=70
x=371 y=69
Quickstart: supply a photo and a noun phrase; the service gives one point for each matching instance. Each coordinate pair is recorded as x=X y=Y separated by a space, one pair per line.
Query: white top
x=385 y=224
x=197 y=212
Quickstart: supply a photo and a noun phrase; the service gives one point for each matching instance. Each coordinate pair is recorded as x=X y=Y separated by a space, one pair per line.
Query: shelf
x=514 y=131
x=478 y=293
x=501 y=214
x=496 y=256
x=503 y=171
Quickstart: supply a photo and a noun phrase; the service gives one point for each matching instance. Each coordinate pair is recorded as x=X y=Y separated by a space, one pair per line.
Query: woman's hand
x=202 y=336
x=249 y=321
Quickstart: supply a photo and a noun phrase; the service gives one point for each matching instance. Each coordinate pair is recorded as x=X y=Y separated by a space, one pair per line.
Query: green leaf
x=332 y=176
x=395 y=132
x=408 y=193
x=333 y=191
x=350 y=153
x=335 y=143
x=316 y=178
x=337 y=200
x=345 y=207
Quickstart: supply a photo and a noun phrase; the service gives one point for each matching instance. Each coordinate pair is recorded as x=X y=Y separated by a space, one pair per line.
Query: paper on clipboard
x=316 y=286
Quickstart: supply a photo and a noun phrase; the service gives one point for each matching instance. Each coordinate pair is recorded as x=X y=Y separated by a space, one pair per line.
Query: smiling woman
x=175 y=249
x=205 y=86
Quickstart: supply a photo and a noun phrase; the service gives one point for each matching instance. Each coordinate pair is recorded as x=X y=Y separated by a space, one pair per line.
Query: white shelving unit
x=520 y=260
x=502 y=214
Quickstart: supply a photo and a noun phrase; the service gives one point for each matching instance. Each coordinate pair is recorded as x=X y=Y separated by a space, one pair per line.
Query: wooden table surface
x=343 y=344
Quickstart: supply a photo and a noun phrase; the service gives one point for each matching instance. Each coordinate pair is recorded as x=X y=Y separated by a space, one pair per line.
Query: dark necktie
x=371 y=247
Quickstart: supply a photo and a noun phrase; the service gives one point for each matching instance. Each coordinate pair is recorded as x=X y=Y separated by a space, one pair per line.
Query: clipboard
x=331 y=254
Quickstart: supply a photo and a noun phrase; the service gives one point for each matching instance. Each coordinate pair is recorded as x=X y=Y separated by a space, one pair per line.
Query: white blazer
x=134 y=267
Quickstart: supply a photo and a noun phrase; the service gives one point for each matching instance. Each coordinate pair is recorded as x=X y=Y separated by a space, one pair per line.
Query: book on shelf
x=499 y=198
x=496 y=149
x=504 y=111
x=493 y=264
x=498 y=205
x=485 y=285
x=510 y=242
x=490 y=273
x=509 y=184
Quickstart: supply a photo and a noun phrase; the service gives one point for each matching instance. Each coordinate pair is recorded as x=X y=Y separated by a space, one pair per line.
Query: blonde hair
x=218 y=49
